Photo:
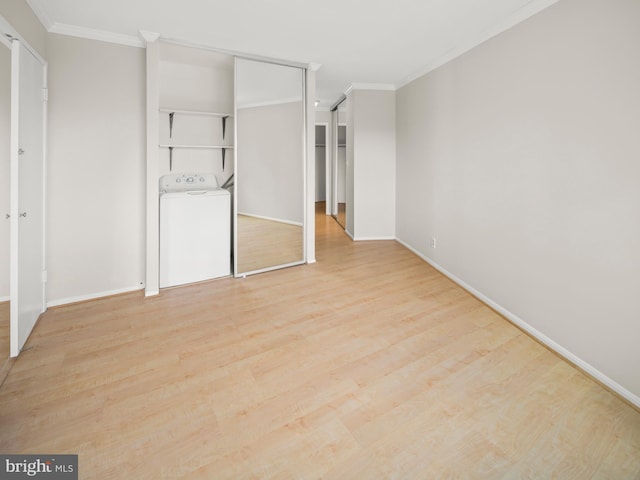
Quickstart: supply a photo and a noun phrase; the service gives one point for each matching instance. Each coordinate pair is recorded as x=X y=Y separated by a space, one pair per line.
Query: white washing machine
x=194 y=229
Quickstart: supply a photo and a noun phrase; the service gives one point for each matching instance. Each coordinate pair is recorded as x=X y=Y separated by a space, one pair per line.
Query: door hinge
x=44 y=276
x=45 y=94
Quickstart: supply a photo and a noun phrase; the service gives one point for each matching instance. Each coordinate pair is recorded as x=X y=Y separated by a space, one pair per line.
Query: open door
x=27 y=277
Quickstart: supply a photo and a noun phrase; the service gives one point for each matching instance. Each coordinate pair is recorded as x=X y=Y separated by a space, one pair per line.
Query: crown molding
x=41 y=14
x=101 y=35
x=149 y=37
x=369 y=86
x=373 y=86
x=512 y=20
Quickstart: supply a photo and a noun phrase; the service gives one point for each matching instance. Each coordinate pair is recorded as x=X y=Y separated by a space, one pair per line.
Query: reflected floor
x=341 y=217
x=4 y=331
x=265 y=243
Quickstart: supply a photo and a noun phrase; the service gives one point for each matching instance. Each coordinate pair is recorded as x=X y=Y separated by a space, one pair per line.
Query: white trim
x=278 y=220
x=369 y=239
x=100 y=35
x=45 y=151
x=149 y=37
x=512 y=20
x=41 y=14
x=323 y=109
x=92 y=296
x=270 y=103
x=235 y=53
x=541 y=337
x=373 y=86
x=315 y=66
x=14 y=327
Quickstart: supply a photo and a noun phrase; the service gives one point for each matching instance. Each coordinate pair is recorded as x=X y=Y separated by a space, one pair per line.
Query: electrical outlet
x=432 y=242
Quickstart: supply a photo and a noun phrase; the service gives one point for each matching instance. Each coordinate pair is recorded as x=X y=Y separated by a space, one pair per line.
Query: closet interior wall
x=196 y=111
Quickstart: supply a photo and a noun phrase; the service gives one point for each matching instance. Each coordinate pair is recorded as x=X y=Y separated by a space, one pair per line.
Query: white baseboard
x=368 y=239
x=92 y=296
x=279 y=220
x=542 y=338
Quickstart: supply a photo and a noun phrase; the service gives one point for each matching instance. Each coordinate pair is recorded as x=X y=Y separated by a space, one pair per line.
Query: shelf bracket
x=224 y=126
x=171 y=114
x=171 y=159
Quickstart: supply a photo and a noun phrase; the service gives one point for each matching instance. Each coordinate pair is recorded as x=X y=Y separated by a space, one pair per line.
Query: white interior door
x=28 y=87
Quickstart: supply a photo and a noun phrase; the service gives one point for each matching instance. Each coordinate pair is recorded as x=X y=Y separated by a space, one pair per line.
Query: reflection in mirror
x=5 y=134
x=340 y=198
x=269 y=183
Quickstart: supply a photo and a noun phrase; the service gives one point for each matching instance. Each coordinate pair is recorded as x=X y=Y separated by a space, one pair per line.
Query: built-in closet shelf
x=173 y=112
x=195 y=112
x=224 y=149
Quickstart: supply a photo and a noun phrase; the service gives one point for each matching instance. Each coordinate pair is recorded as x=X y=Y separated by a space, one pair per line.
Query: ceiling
x=373 y=43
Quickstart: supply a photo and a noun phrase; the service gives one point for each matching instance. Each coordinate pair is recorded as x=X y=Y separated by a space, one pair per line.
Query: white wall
x=96 y=168
x=373 y=139
x=267 y=185
x=5 y=131
x=522 y=158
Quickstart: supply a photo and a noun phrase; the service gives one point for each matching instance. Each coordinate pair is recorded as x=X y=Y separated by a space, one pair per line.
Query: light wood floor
x=366 y=365
x=265 y=243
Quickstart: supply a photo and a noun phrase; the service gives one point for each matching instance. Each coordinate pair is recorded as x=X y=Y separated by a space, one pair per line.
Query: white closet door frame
x=304 y=159
x=17 y=339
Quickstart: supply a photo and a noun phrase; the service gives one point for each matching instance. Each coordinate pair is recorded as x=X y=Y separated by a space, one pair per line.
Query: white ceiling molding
x=522 y=14
x=100 y=35
x=42 y=16
x=373 y=86
x=369 y=86
x=149 y=37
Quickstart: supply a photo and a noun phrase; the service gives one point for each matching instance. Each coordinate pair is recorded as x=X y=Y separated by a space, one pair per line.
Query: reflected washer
x=194 y=229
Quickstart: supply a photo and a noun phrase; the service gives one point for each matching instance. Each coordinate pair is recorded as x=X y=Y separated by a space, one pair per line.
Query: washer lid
x=185 y=182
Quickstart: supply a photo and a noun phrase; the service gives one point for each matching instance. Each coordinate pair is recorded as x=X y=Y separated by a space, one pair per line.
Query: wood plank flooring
x=366 y=365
